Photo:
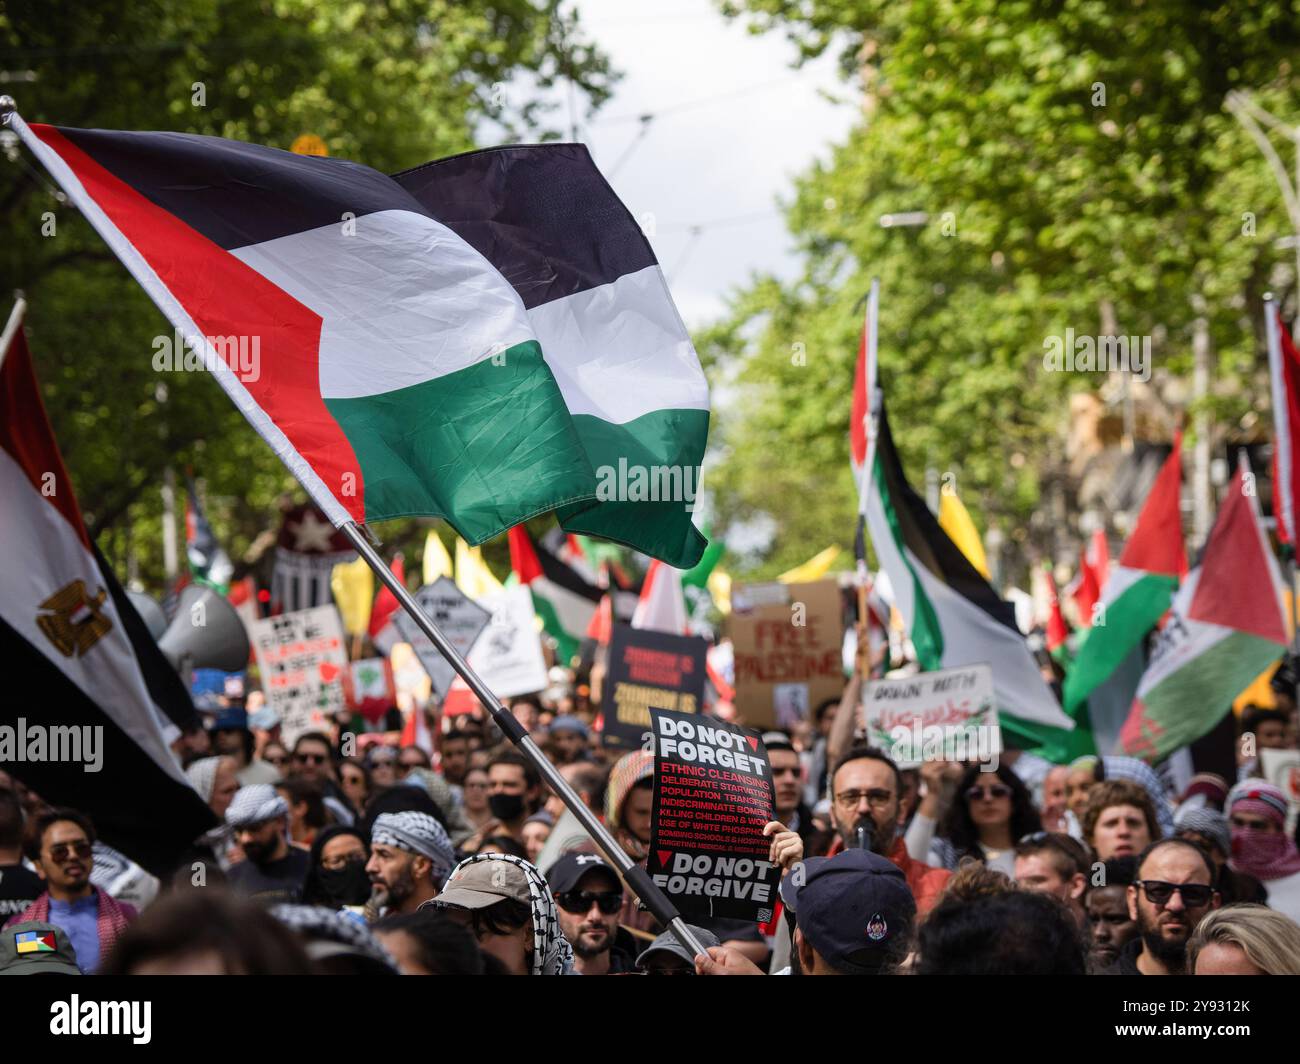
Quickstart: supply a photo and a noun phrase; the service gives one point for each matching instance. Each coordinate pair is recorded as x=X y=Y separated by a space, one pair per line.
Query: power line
x=702 y=101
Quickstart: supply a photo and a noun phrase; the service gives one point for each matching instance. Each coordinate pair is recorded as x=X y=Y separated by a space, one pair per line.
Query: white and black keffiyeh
x=315 y=922
x=416 y=832
x=255 y=805
x=552 y=954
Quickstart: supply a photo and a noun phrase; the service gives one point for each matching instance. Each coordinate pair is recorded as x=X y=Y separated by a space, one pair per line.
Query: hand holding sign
x=787 y=846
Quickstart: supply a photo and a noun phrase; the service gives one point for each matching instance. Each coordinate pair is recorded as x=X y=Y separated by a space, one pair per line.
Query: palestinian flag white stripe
x=595 y=339
x=375 y=319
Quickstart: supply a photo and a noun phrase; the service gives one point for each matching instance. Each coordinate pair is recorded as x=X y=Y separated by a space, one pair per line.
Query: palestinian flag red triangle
x=664 y=857
x=1237 y=563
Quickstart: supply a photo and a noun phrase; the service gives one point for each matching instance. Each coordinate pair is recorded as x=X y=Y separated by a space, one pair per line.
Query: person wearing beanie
x=272 y=870
x=1205 y=790
x=1209 y=829
x=1260 y=844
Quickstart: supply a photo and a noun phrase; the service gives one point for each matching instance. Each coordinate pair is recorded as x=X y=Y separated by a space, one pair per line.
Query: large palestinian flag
x=483 y=339
x=1226 y=626
x=951 y=613
x=562 y=597
x=78 y=657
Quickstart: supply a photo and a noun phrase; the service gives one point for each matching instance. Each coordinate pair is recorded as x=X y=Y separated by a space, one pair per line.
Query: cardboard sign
x=301 y=657
x=457 y=616
x=649 y=670
x=508 y=653
x=712 y=797
x=946 y=715
x=786 y=640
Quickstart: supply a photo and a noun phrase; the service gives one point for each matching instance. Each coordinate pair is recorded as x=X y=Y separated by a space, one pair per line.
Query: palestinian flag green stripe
x=647 y=478
x=1141 y=601
x=468 y=446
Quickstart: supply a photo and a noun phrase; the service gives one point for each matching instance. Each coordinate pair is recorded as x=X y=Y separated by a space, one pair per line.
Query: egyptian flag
x=562 y=597
x=483 y=339
x=1284 y=371
x=950 y=611
x=79 y=653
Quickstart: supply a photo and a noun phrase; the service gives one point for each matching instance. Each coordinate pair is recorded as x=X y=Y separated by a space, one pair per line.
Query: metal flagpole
x=872 y=428
x=1283 y=504
x=637 y=877
x=12 y=326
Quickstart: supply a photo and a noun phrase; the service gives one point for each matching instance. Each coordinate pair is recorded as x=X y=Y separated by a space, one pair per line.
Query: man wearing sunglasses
x=589 y=896
x=1173 y=892
x=60 y=844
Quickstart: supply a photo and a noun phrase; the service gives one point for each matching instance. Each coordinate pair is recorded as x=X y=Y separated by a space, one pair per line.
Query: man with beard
x=272 y=870
x=60 y=844
x=866 y=809
x=1171 y=895
x=410 y=857
x=589 y=896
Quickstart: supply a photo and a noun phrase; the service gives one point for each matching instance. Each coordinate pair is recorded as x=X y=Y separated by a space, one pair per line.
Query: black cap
x=849 y=905
x=567 y=872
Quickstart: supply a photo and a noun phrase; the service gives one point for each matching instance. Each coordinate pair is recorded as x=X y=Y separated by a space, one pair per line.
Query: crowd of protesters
x=335 y=856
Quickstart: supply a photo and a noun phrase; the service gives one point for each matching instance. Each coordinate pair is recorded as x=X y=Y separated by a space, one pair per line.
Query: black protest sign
x=649 y=670
x=712 y=797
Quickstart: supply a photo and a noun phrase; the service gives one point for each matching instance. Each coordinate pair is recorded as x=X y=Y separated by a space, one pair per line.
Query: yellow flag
x=954 y=520
x=353 y=585
x=813 y=569
x=719 y=585
x=472 y=574
x=437 y=562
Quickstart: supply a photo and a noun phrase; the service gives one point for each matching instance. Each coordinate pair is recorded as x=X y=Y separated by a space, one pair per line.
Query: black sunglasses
x=1194 y=895
x=579 y=901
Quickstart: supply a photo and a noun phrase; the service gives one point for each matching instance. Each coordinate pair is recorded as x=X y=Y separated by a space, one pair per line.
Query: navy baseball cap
x=567 y=872
x=854 y=909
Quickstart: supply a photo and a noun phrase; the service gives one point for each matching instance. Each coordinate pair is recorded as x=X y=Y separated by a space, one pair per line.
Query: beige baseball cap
x=484 y=883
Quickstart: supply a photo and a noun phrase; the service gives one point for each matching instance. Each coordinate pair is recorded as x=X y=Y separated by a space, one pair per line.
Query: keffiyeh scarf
x=552 y=954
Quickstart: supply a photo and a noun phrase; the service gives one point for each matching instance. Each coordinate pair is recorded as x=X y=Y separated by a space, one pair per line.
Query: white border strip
x=180 y=319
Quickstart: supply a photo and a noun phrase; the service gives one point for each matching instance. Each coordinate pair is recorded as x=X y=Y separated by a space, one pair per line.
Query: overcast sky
x=734 y=124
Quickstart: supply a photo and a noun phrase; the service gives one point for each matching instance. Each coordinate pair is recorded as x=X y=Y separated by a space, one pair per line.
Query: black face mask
x=349 y=885
x=506 y=807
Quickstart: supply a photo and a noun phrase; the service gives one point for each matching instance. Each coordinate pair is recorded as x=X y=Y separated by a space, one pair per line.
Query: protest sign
x=648 y=670
x=457 y=616
x=712 y=798
x=301 y=657
x=946 y=715
x=508 y=652
x=370 y=680
x=786 y=640
x=1282 y=769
